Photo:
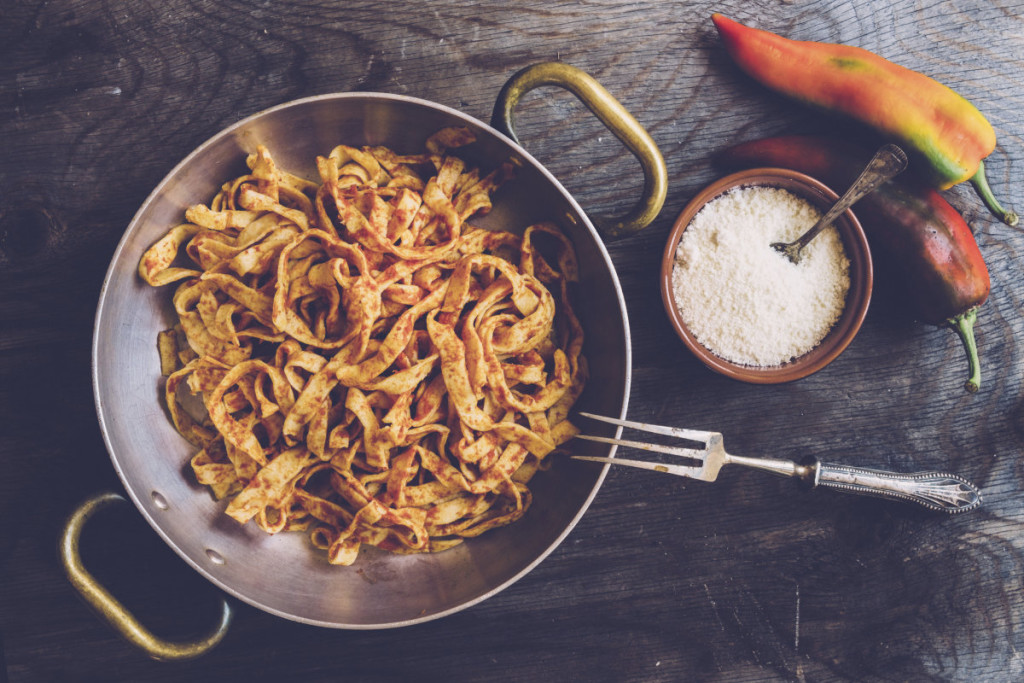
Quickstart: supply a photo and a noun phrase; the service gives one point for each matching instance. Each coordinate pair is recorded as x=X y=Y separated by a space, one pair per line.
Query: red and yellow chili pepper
x=939 y=127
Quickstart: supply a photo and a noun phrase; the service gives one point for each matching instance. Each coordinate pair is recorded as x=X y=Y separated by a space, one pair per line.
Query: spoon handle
x=888 y=162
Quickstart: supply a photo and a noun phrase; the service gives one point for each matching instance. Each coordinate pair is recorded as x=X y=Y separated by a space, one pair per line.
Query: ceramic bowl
x=857 y=299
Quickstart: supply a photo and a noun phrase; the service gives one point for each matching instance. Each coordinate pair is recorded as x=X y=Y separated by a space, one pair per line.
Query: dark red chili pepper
x=910 y=227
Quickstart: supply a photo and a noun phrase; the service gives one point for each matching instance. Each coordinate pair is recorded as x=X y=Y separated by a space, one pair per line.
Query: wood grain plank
x=748 y=579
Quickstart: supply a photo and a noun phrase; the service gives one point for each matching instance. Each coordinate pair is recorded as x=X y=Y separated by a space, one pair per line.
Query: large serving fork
x=934 y=490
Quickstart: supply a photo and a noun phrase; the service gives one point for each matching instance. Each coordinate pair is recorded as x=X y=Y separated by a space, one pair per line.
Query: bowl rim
x=858 y=296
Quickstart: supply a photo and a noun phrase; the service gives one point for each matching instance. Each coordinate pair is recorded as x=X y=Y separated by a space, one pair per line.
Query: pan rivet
x=159 y=500
x=215 y=557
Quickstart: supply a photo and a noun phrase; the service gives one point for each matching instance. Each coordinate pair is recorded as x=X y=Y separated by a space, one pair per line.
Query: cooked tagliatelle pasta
x=353 y=359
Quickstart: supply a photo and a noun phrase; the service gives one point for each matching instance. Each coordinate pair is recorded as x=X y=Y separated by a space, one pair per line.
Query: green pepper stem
x=963 y=325
x=980 y=183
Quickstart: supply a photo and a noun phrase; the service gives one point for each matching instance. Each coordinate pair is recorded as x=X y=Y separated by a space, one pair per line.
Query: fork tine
x=691 y=453
x=679 y=470
x=689 y=434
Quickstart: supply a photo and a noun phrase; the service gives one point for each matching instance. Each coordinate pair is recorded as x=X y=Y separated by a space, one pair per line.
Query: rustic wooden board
x=663 y=580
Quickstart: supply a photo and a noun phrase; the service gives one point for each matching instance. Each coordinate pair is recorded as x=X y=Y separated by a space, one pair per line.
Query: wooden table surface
x=748 y=579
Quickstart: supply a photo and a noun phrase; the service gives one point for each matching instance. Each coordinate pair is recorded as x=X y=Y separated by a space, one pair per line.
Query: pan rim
x=103 y=413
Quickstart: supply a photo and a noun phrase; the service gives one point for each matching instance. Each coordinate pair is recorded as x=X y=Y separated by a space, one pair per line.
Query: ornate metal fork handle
x=934 y=490
x=939 y=491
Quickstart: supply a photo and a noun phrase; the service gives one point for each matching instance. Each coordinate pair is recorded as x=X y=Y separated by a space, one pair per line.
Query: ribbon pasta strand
x=352 y=358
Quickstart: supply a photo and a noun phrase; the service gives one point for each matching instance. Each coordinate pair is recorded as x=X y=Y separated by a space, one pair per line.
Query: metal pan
x=282 y=574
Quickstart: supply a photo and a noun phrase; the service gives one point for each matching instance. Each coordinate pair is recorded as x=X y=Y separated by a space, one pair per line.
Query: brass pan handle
x=613 y=115
x=110 y=608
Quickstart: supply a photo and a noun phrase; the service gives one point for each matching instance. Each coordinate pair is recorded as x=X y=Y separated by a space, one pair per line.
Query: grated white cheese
x=746 y=302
